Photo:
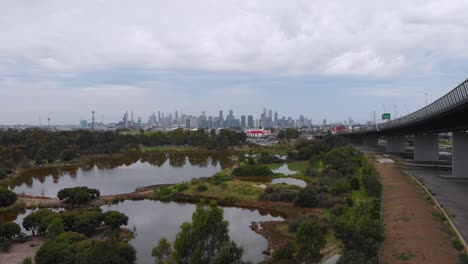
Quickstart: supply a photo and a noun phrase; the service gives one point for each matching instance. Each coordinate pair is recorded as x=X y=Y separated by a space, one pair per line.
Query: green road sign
x=386 y=116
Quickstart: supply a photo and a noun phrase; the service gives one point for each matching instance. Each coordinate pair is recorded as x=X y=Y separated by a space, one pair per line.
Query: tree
x=78 y=195
x=114 y=219
x=229 y=253
x=307 y=197
x=9 y=230
x=7 y=197
x=285 y=254
x=310 y=240
x=35 y=222
x=200 y=240
x=163 y=251
x=55 y=228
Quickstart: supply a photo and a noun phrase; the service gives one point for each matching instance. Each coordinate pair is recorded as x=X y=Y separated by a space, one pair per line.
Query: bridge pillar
x=426 y=148
x=460 y=155
x=371 y=141
x=396 y=144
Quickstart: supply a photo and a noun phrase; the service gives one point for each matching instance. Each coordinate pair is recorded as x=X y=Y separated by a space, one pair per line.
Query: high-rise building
x=324 y=123
x=243 y=123
x=221 y=117
x=270 y=115
x=83 y=124
x=276 y=119
x=250 y=121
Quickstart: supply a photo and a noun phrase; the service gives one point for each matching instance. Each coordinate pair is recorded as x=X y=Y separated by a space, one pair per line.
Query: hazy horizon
x=322 y=59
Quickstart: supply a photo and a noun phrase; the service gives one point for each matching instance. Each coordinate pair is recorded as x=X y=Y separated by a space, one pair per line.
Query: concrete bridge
x=448 y=114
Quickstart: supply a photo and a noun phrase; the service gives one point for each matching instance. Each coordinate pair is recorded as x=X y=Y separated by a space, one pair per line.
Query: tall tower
x=92 y=123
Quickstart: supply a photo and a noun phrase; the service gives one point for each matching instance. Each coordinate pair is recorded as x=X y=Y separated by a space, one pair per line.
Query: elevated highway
x=447 y=114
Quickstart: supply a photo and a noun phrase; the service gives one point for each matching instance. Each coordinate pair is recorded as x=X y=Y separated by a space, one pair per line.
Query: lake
x=154 y=220
x=122 y=175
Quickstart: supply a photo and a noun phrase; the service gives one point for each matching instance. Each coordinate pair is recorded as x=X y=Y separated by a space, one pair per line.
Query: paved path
x=412 y=234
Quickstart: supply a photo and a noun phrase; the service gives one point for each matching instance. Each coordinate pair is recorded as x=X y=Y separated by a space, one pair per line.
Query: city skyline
x=64 y=59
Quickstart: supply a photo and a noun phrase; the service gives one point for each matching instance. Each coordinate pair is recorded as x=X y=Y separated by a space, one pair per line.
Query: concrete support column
x=426 y=148
x=396 y=144
x=460 y=155
x=371 y=141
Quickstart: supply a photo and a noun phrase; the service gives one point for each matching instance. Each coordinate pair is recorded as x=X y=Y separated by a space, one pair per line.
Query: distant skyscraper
x=276 y=118
x=324 y=122
x=270 y=115
x=250 y=121
x=243 y=123
x=221 y=117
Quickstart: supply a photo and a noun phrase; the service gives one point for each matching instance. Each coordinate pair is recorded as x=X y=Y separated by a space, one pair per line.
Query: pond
x=290 y=181
x=122 y=175
x=154 y=220
x=284 y=169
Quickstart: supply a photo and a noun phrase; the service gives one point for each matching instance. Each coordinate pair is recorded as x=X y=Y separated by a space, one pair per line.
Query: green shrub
x=27 y=260
x=5 y=244
x=307 y=197
x=78 y=195
x=278 y=195
x=355 y=185
x=252 y=170
x=181 y=187
x=202 y=187
x=463 y=258
x=165 y=191
x=457 y=244
x=7 y=197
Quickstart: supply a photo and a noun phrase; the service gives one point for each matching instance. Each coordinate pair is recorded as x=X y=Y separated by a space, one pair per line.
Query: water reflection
x=290 y=181
x=154 y=220
x=284 y=169
x=123 y=174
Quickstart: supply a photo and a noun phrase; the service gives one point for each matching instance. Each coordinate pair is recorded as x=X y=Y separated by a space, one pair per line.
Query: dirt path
x=412 y=234
x=18 y=252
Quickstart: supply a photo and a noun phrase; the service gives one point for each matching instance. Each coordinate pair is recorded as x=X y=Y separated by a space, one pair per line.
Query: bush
x=5 y=244
x=114 y=219
x=457 y=244
x=371 y=181
x=7 y=197
x=337 y=209
x=27 y=260
x=9 y=230
x=355 y=185
x=181 y=187
x=202 y=187
x=307 y=197
x=165 y=191
x=252 y=170
x=78 y=195
x=339 y=187
x=463 y=258
x=278 y=195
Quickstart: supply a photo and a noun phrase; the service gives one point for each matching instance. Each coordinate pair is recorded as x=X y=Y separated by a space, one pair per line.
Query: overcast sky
x=325 y=59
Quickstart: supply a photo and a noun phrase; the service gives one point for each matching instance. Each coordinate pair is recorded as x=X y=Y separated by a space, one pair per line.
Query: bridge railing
x=452 y=99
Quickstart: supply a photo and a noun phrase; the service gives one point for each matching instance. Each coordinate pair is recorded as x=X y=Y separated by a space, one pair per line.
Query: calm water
x=154 y=220
x=290 y=181
x=122 y=175
x=284 y=169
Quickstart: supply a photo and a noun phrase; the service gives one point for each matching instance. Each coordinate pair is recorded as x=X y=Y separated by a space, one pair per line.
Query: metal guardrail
x=452 y=99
